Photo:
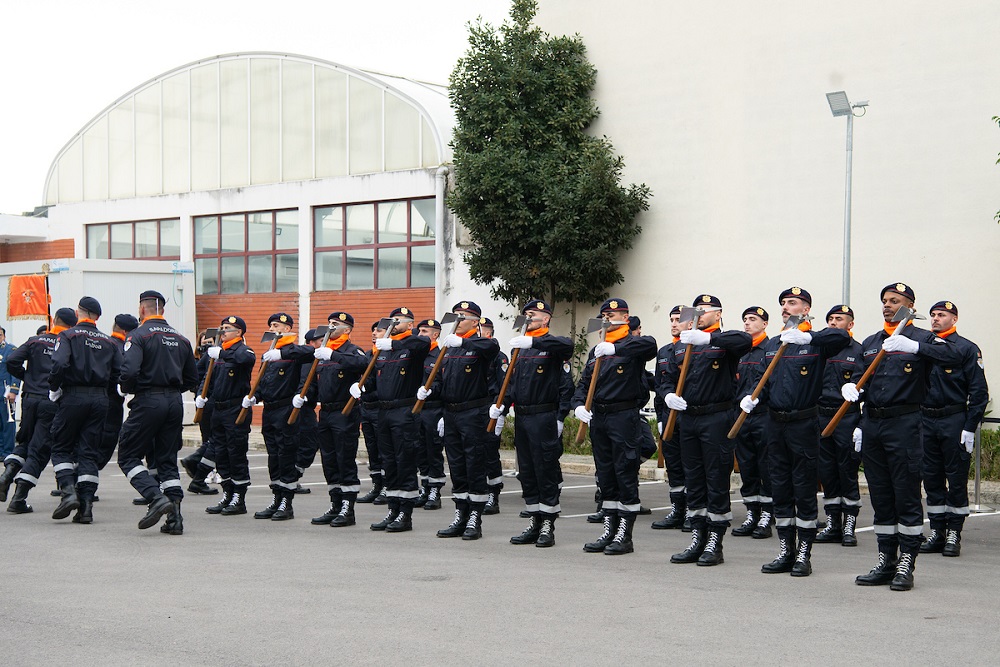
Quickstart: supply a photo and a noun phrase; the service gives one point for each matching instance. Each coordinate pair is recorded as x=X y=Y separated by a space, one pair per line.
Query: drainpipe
x=441 y=273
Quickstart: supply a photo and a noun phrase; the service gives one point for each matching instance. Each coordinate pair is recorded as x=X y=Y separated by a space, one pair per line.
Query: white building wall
x=720 y=108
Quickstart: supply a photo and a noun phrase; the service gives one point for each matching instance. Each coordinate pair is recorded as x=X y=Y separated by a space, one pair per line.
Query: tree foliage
x=541 y=198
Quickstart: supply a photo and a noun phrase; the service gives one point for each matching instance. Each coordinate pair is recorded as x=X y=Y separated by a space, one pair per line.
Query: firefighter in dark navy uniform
x=889 y=436
x=85 y=363
x=536 y=392
x=279 y=382
x=430 y=453
x=954 y=407
x=792 y=396
x=37 y=410
x=158 y=367
x=494 y=469
x=230 y=383
x=615 y=425
x=465 y=392
x=308 y=441
x=201 y=462
x=704 y=408
x=838 y=463
x=341 y=365
x=14 y=461
x=369 y=429
x=398 y=374
x=751 y=442
x=671 y=448
x=124 y=323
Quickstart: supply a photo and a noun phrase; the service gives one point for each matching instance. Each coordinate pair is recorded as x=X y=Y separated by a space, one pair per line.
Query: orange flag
x=27 y=298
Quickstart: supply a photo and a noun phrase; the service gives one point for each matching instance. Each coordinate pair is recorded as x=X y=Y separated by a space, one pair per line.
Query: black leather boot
x=849 y=539
x=161 y=505
x=750 y=523
x=530 y=534
x=174 y=525
x=785 y=559
x=85 y=513
x=375 y=490
x=695 y=549
x=952 y=543
x=802 y=567
x=934 y=544
x=622 y=541
x=227 y=497
x=70 y=501
x=675 y=517
x=712 y=554
x=763 y=530
x=456 y=527
x=882 y=573
x=493 y=502
x=902 y=580
x=474 y=524
x=422 y=497
x=345 y=515
x=336 y=496
x=284 y=511
x=190 y=465
x=238 y=504
x=833 y=532
x=201 y=488
x=610 y=527
x=433 y=498
x=19 y=503
x=598 y=516
x=403 y=521
x=547 y=532
x=389 y=518
x=269 y=511
x=7 y=478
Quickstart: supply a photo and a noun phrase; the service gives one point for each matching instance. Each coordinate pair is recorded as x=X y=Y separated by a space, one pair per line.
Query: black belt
x=398 y=403
x=158 y=390
x=942 y=412
x=468 y=405
x=536 y=409
x=792 y=415
x=330 y=407
x=81 y=389
x=279 y=402
x=431 y=405
x=41 y=397
x=709 y=409
x=225 y=405
x=829 y=412
x=888 y=413
x=605 y=408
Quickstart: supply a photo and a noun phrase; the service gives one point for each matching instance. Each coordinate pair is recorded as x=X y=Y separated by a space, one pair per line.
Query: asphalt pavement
x=235 y=590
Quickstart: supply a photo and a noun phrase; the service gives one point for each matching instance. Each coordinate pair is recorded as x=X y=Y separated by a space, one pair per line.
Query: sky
x=64 y=62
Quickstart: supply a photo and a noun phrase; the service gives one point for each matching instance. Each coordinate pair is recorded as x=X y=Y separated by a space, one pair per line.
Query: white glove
x=453 y=340
x=499 y=427
x=604 y=350
x=969 y=440
x=900 y=344
x=118 y=388
x=9 y=394
x=249 y=402
x=200 y=402
x=850 y=392
x=383 y=344
x=795 y=336
x=659 y=428
x=422 y=393
x=857 y=439
x=323 y=353
x=521 y=342
x=675 y=402
x=298 y=401
x=748 y=403
x=271 y=355
x=583 y=414
x=55 y=395
x=695 y=337
x=441 y=427
x=559 y=427
x=214 y=351
x=495 y=412
x=355 y=391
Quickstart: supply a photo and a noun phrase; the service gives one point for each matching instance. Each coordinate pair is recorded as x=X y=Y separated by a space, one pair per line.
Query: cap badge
x=232 y=320
x=539 y=305
x=283 y=318
x=343 y=317
x=404 y=311
x=845 y=309
x=948 y=305
x=901 y=287
x=613 y=304
x=796 y=290
x=705 y=298
x=464 y=304
x=760 y=311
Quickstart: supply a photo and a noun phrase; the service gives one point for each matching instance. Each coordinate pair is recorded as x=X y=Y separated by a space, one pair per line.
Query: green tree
x=541 y=198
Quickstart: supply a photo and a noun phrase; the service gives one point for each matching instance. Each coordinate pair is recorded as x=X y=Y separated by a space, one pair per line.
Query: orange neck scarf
x=946 y=333
x=119 y=336
x=434 y=345
x=805 y=326
x=283 y=341
x=469 y=334
x=337 y=342
x=84 y=319
x=760 y=338
x=229 y=343
x=677 y=339
x=401 y=336
x=152 y=317
x=537 y=332
x=55 y=331
x=890 y=327
x=714 y=327
x=617 y=334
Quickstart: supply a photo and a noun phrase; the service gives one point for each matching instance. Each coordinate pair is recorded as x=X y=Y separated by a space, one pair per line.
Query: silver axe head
x=796 y=320
x=595 y=324
x=269 y=336
x=690 y=314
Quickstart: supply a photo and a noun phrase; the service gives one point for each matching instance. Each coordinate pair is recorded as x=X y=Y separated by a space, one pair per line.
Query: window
x=146 y=239
x=247 y=253
x=376 y=245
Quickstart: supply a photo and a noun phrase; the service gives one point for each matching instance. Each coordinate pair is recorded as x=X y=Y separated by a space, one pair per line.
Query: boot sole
x=322 y=521
x=11 y=510
x=235 y=513
x=287 y=517
x=901 y=587
x=340 y=525
x=545 y=545
x=63 y=512
x=710 y=563
x=151 y=520
x=873 y=583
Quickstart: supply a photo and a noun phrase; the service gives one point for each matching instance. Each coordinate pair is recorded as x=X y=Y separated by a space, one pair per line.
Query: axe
x=447 y=319
x=902 y=317
x=520 y=322
x=793 y=321
x=388 y=324
x=593 y=324
x=268 y=336
x=214 y=335
x=688 y=314
x=325 y=331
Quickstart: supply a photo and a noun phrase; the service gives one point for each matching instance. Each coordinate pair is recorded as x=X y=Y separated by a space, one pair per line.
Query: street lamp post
x=841 y=106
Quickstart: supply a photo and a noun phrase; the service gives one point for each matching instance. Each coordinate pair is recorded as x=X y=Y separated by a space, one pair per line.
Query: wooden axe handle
x=204 y=391
x=668 y=430
x=361 y=382
x=240 y=418
x=419 y=405
x=294 y=417
x=734 y=431
x=503 y=387
x=581 y=433
x=835 y=420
